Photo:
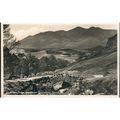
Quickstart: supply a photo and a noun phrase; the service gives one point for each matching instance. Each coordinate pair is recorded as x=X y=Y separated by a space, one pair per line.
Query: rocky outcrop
x=57 y=85
x=112 y=42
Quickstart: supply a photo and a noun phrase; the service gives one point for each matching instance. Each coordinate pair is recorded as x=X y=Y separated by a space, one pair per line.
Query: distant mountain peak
x=93 y=28
x=77 y=28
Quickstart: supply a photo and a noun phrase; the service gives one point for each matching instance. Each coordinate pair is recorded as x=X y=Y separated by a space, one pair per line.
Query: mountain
x=79 y=38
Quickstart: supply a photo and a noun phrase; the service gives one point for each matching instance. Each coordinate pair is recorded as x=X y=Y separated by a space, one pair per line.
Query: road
x=28 y=79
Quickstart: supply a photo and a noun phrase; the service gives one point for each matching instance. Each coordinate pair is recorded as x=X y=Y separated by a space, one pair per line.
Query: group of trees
x=51 y=63
x=22 y=65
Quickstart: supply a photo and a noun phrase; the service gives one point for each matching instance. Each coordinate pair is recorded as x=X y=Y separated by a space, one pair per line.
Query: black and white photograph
x=60 y=59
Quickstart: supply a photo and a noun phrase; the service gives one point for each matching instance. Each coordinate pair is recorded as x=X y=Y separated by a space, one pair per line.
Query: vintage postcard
x=60 y=59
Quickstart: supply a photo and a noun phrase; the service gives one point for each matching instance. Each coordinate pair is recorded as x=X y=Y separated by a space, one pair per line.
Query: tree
x=33 y=64
x=9 y=59
x=10 y=63
x=43 y=64
x=52 y=62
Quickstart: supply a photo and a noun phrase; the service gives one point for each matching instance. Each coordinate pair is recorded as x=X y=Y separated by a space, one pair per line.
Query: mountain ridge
x=77 y=37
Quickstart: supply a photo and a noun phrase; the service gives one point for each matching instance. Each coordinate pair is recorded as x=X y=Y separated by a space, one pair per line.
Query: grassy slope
x=97 y=65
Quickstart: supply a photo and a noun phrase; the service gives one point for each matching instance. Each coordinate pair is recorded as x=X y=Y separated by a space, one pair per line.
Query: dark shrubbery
x=51 y=63
x=11 y=63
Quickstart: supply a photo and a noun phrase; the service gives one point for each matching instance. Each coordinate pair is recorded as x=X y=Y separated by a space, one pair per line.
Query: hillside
x=105 y=62
x=98 y=65
x=78 y=37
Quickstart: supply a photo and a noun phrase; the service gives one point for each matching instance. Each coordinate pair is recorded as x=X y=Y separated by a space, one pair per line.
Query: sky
x=20 y=31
